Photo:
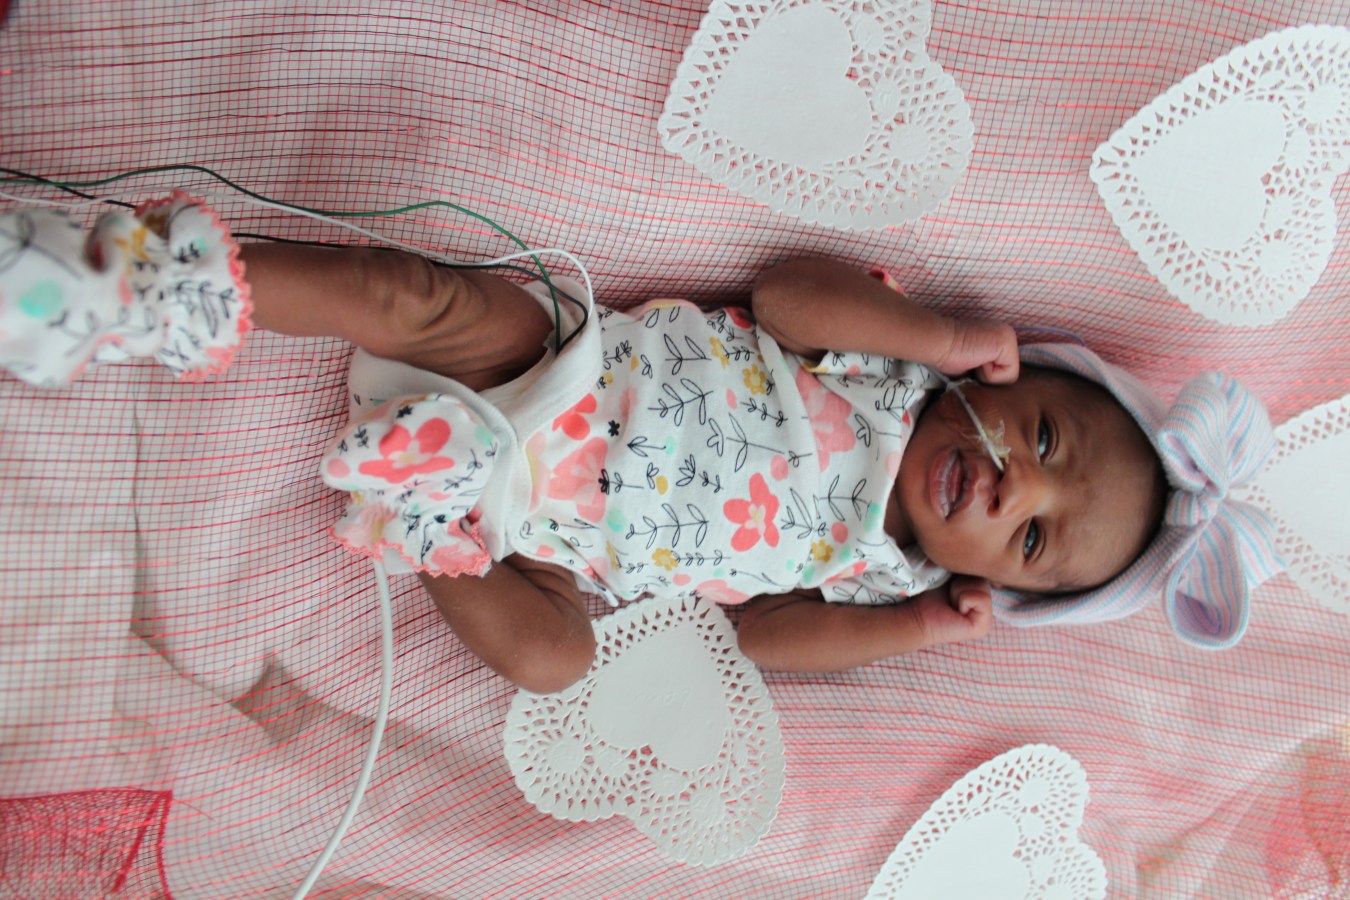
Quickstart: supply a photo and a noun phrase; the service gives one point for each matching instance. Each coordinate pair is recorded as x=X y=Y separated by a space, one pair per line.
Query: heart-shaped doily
x=828 y=110
x=1007 y=829
x=1305 y=489
x=1222 y=184
x=672 y=728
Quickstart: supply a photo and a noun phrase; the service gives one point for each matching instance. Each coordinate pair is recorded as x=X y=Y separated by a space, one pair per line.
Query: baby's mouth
x=951 y=484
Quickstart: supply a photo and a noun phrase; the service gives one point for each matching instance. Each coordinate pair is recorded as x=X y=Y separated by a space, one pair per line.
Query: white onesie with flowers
x=666 y=450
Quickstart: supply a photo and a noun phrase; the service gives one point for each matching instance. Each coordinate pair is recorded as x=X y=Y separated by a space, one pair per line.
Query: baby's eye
x=1031 y=539
x=1043 y=439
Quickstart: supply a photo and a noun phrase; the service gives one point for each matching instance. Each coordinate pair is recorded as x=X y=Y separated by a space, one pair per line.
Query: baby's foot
x=416 y=468
x=163 y=282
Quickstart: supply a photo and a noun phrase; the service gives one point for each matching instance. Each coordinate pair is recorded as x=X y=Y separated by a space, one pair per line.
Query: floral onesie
x=668 y=450
x=691 y=456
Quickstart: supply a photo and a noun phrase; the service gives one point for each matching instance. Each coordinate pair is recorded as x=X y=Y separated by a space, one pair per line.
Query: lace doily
x=828 y=110
x=1008 y=828
x=1305 y=489
x=1222 y=184
x=672 y=728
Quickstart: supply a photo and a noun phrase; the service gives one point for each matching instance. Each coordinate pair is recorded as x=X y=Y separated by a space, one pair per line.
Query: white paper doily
x=1305 y=489
x=828 y=110
x=1007 y=829
x=1222 y=184
x=672 y=728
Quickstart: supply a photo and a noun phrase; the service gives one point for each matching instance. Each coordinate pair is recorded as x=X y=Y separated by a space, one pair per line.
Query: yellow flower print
x=613 y=555
x=608 y=378
x=662 y=484
x=135 y=247
x=665 y=558
x=756 y=379
x=821 y=551
x=632 y=363
x=719 y=351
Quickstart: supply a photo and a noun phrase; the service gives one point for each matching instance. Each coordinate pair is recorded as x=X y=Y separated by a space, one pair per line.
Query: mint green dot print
x=43 y=300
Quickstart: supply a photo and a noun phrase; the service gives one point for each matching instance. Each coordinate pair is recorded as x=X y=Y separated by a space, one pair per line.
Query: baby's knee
x=552 y=665
x=409 y=295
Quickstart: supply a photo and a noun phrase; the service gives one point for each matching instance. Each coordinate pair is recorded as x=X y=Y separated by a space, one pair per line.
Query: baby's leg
x=525 y=619
x=466 y=324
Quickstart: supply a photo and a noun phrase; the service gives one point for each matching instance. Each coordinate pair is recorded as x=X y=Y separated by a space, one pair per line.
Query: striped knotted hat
x=1210 y=549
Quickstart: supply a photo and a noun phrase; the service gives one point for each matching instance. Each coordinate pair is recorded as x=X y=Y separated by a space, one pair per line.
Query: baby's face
x=1078 y=499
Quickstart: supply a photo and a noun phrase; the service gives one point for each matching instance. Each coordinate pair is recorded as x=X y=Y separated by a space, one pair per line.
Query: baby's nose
x=1020 y=491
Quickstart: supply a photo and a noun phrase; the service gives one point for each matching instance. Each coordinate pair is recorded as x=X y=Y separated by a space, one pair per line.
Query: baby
x=517 y=447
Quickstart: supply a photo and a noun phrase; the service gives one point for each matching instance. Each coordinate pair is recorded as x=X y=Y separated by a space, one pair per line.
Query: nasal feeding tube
x=993 y=444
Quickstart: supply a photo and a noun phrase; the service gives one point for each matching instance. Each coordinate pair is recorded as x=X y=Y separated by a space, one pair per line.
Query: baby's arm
x=812 y=305
x=801 y=632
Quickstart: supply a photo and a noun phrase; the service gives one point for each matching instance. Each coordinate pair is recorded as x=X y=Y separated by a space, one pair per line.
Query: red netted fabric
x=103 y=843
x=189 y=663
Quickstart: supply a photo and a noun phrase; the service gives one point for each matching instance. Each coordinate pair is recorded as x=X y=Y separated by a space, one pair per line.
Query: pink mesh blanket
x=188 y=661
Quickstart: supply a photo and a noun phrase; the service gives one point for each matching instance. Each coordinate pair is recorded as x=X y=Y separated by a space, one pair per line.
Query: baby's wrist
x=945 y=345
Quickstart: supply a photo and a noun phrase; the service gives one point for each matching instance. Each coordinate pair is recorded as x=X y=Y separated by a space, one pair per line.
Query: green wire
x=334 y=214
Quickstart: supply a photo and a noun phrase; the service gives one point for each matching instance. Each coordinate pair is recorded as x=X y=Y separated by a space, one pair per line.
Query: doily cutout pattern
x=672 y=728
x=1222 y=184
x=827 y=110
x=1008 y=828
x=1305 y=489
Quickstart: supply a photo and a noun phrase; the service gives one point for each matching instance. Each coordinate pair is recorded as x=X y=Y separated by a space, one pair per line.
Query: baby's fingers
x=1003 y=365
x=973 y=600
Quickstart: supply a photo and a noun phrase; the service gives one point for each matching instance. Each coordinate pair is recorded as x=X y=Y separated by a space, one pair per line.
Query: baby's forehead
x=1086 y=400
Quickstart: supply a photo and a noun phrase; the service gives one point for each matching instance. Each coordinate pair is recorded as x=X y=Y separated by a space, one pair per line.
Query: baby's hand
x=983 y=344
x=960 y=610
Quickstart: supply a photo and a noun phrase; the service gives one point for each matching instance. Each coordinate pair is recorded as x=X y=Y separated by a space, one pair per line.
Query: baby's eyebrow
x=1067 y=571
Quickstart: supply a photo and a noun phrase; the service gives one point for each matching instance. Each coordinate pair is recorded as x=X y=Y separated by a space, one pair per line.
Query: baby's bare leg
x=525 y=619
x=469 y=325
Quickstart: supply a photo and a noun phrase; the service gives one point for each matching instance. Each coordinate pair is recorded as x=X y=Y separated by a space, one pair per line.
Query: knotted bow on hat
x=1211 y=549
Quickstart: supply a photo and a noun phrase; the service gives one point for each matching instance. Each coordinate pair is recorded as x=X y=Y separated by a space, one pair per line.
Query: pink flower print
x=739 y=317
x=406 y=454
x=829 y=417
x=462 y=552
x=365 y=530
x=755 y=516
x=627 y=400
x=573 y=422
x=577 y=478
x=718 y=591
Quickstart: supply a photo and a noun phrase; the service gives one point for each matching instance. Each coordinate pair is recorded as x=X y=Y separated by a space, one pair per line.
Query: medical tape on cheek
x=991 y=440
